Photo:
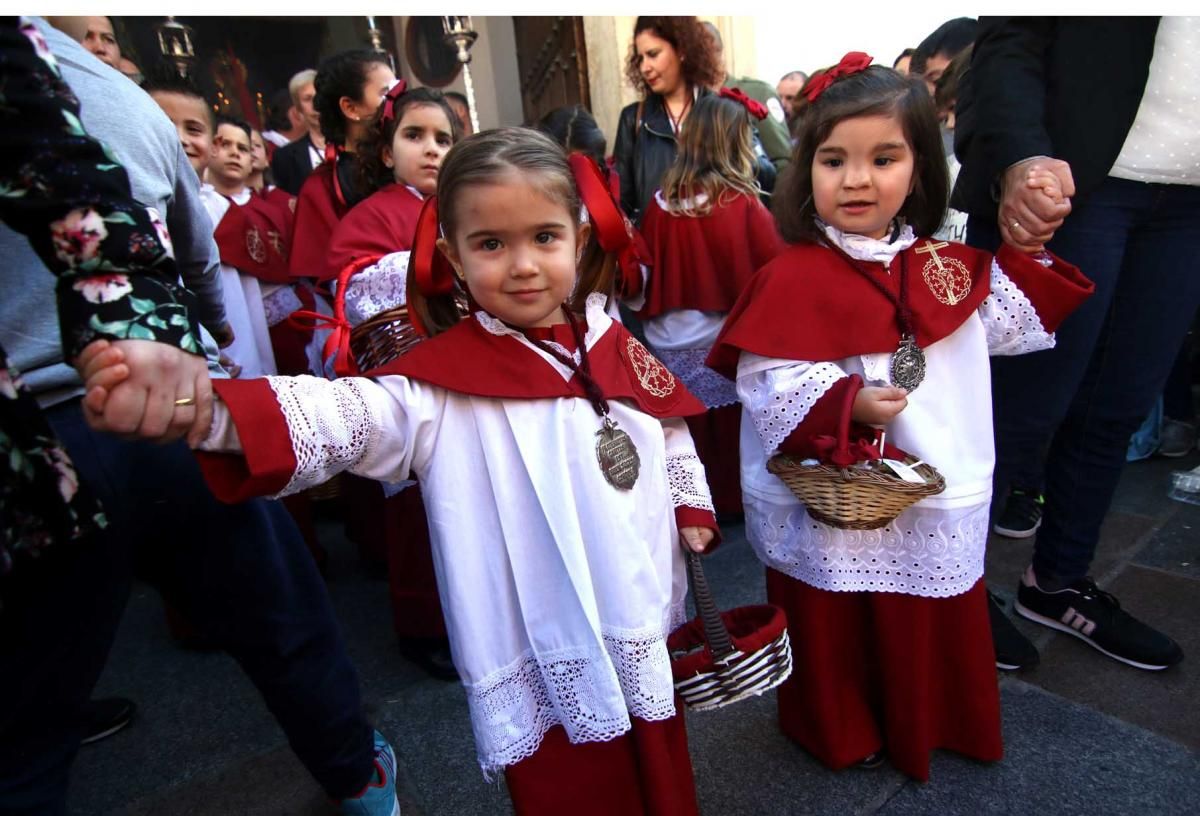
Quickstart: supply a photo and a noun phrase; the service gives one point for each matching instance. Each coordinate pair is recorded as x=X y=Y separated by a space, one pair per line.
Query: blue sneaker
x=378 y=798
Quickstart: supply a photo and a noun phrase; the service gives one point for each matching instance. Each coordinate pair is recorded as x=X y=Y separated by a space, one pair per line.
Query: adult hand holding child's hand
x=1030 y=210
x=874 y=405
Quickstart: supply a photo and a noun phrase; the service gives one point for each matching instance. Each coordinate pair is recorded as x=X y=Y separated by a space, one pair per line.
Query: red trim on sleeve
x=268 y=461
x=695 y=517
x=1054 y=291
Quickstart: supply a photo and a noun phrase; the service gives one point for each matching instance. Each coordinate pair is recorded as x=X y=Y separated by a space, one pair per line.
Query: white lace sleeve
x=780 y=393
x=685 y=472
x=1012 y=324
x=377 y=288
x=280 y=303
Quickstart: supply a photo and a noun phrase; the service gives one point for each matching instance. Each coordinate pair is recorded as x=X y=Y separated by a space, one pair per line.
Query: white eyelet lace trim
x=330 y=424
x=591 y=693
x=279 y=304
x=929 y=552
x=1012 y=324
x=689 y=487
x=377 y=288
x=780 y=398
x=705 y=384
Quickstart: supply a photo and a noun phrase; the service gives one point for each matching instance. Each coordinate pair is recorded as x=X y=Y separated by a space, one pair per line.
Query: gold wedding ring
x=1014 y=225
x=179 y=403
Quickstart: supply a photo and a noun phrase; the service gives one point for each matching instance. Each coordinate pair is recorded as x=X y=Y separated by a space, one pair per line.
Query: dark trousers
x=240 y=573
x=1079 y=403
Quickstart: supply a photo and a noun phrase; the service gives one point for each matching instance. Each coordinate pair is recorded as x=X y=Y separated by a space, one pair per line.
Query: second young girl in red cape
x=891 y=624
x=707 y=234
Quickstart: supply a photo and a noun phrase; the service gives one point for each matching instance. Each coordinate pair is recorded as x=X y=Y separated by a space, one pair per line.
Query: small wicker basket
x=380 y=339
x=854 y=498
x=721 y=658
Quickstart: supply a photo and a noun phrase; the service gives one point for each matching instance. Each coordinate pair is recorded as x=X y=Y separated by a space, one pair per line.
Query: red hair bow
x=752 y=106
x=852 y=63
x=614 y=232
x=389 y=100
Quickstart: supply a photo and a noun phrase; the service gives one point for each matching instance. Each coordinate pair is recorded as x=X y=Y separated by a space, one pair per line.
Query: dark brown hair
x=700 y=67
x=486 y=158
x=342 y=74
x=877 y=91
x=372 y=172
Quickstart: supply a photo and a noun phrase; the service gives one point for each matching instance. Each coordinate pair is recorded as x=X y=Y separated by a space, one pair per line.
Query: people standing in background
x=285 y=124
x=260 y=167
x=293 y=162
x=101 y=40
x=458 y=103
x=902 y=63
x=788 y=89
x=932 y=57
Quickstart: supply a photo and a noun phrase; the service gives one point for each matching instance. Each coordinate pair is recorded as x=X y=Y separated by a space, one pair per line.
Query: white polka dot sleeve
x=778 y=394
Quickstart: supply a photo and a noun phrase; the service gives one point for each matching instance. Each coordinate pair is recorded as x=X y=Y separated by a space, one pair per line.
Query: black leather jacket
x=644 y=153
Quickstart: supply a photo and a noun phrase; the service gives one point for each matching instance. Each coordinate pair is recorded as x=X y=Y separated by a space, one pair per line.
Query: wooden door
x=552 y=61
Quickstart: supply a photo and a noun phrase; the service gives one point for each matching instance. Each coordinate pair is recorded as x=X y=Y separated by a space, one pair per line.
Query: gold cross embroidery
x=946 y=278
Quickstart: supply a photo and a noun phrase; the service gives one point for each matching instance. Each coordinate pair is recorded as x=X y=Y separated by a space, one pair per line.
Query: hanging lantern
x=460 y=34
x=175 y=44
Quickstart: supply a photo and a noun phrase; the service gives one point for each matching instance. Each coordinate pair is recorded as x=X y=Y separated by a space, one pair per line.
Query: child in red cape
x=890 y=625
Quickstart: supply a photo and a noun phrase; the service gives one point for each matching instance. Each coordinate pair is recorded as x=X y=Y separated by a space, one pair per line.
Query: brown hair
x=484 y=159
x=371 y=171
x=877 y=91
x=715 y=158
x=701 y=67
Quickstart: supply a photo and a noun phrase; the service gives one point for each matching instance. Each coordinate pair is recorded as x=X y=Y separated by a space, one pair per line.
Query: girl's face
x=862 y=174
x=258 y=152
x=419 y=144
x=659 y=63
x=517 y=248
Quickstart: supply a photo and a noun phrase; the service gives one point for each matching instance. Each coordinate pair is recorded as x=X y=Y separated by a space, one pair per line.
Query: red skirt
x=716 y=433
x=888 y=671
x=645 y=772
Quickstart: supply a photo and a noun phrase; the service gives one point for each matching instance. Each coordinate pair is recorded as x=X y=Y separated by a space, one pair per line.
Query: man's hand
x=1029 y=212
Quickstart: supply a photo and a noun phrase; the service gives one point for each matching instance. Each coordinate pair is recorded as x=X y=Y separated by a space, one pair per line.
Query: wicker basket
x=380 y=339
x=721 y=658
x=854 y=498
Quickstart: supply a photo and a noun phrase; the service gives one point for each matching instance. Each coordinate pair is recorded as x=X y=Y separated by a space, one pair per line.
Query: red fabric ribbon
x=614 y=232
x=852 y=63
x=752 y=106
x=431 y=271
x=389 y=100
x=857 y=450
x=338 y=343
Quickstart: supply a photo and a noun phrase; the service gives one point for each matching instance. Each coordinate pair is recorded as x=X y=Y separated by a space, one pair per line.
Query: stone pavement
x=1083 y=734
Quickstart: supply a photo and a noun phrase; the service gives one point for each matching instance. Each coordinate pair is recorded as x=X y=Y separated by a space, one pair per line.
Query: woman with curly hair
x=673 y=61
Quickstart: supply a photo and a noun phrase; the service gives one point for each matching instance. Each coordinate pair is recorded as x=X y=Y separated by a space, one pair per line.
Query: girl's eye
x=832 y=162
x=489 y=244
x=883 y=161
x=544 y=237
x=444 y=140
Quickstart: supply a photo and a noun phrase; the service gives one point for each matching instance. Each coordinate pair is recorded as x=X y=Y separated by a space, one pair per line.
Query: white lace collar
x=860 y=247
x=598 y=323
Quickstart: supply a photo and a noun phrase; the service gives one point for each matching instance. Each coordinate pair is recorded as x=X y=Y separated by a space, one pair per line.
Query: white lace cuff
x=689 y=487
x=377 y=288
x=779 y=398
x=279 y=304
x=1012 y=324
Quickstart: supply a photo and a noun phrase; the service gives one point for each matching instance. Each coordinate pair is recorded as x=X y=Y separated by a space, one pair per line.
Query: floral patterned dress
x=116 y=279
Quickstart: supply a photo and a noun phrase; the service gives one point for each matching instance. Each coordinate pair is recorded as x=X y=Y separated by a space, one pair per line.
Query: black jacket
x=644 y=153
x=1064 y=87
x=291 y=165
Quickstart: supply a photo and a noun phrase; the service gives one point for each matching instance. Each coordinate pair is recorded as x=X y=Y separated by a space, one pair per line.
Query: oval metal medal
x=908 y=364
x=618 y=457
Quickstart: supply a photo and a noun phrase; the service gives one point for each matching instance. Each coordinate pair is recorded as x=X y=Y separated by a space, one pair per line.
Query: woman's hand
x=1029 y=214
x=878 y=406
x=695 y=539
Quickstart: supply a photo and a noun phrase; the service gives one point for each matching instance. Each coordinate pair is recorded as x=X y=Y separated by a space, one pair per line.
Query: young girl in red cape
x=560 y=480
x=398 y=159
x=708 y=234
x=889 y=626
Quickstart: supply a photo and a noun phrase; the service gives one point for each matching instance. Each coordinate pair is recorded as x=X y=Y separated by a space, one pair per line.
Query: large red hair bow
x=752 y=106
x=852 y=63
x=432 y=272
x=389 y=100
x=614 y=232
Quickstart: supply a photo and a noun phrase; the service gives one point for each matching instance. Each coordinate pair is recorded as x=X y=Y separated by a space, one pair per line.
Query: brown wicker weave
x=854 y=498
x=382 y=338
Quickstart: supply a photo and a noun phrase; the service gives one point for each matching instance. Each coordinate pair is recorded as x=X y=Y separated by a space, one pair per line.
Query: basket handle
x=719 y=641
x=843 y=437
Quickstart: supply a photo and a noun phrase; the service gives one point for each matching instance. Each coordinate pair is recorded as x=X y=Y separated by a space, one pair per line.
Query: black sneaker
x=106 y=717
x=432 y=655
x=1013 y=650
x=1021 y=516
x=1095 y=617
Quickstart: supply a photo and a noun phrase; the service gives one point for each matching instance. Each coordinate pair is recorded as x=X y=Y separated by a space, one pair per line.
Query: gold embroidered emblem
x=652 y=375
x=255 y=245
x=948 y=278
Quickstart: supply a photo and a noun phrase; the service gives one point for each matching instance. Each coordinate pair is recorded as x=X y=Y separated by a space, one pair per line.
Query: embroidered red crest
x=652 y=376
x=948 y=278
x=255 y=246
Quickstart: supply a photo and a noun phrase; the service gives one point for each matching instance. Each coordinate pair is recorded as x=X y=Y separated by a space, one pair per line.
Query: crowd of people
x=605 y=359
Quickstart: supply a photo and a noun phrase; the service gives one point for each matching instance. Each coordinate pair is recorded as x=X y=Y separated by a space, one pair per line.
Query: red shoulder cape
x=470 y=360
x=808 y=304
x=705 y=263
x=383 y=223
x=253 y=238
x=317 y=213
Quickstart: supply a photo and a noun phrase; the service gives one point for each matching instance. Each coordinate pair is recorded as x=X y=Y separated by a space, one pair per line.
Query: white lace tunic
x=558 y=589
x=936 y=547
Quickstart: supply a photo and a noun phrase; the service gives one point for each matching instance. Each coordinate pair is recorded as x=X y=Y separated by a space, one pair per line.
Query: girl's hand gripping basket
x=720 y=658
x=855 y=489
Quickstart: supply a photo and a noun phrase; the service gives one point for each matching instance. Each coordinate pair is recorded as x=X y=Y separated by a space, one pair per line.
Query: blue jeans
x=1078 y=404
x=240 y=573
